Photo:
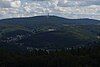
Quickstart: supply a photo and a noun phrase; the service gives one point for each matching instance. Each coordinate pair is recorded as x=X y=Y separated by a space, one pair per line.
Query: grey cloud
x=72 y=3
x=5 y=4
x=56 y=7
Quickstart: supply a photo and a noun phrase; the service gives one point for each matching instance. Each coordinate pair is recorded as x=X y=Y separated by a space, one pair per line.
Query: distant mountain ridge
x=49 y=19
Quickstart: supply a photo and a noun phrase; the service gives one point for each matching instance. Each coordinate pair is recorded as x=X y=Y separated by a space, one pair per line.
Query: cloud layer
x=63 y=8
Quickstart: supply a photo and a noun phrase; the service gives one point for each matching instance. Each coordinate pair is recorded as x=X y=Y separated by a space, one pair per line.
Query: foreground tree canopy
x=70 y=57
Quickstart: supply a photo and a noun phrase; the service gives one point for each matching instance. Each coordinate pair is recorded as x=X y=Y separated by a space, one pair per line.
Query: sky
x=64 y=8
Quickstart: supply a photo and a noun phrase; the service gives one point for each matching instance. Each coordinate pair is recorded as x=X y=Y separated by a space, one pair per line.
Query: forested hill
x=49 y=41
x=48 y=32
x=49 y=19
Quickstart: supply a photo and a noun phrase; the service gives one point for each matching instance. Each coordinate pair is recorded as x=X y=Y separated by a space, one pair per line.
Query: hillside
x=49 y=19
x=48 y=32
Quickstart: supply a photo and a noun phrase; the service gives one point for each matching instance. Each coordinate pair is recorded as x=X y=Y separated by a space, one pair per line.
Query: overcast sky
x=64 y=8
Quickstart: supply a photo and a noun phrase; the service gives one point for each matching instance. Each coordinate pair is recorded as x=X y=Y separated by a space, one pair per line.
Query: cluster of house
x=13 y=39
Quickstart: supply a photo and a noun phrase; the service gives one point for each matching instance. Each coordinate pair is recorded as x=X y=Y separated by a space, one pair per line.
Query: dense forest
x=67 y=57
x=49 y=41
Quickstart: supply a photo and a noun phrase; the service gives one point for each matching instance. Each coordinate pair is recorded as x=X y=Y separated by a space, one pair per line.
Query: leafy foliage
x=74 y=57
